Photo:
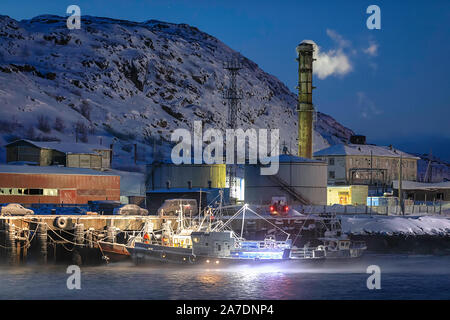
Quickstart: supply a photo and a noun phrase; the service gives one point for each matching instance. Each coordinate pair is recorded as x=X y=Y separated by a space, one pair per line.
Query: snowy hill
x=130 y=82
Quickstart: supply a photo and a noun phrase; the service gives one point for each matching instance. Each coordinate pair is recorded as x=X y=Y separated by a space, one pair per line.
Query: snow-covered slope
x=130 y=82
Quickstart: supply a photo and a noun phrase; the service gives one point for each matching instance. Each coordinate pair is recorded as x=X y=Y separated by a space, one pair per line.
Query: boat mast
x=243 y=219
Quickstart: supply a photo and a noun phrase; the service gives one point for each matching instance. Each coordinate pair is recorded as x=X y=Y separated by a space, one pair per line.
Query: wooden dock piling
x=11 y=246
x=42 y=236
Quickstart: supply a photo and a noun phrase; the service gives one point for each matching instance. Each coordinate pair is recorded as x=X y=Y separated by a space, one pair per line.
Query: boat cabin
x=217 y=244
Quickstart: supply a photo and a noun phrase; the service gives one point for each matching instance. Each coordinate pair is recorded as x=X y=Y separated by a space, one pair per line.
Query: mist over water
x=402 y=277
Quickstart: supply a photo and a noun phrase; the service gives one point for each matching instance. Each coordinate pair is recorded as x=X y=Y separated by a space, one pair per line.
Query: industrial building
x=420 y=191
x=167 y=175
x=73 y=155
x=56 y=185
x=350 y=164
x=166 y=180
x=300 y=180
x=347 y=195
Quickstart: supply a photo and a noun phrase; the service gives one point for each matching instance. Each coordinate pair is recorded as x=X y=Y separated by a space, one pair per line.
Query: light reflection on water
x=403 y=277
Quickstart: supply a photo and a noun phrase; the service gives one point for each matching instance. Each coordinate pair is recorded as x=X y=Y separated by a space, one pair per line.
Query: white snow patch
x=423 y=225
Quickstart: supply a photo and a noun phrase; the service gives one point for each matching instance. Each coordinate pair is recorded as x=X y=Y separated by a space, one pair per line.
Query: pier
x=57 y=238
x=52 y=239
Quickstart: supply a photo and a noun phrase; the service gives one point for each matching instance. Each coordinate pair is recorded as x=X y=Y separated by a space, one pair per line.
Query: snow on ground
x=417 y=225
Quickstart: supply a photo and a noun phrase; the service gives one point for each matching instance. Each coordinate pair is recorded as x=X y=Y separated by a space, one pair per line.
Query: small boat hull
x=114 y=252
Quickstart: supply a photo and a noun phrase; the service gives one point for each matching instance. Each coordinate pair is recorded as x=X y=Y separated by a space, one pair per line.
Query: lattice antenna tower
x=233 y=95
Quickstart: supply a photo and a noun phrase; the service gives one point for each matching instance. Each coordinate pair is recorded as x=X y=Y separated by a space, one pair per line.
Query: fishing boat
x=210 y=242
x=335 y=244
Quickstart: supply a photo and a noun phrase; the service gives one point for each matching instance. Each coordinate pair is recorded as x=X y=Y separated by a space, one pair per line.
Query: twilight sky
x=390 y=84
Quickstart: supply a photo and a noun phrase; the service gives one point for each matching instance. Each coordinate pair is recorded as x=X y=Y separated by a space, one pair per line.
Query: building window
x=34 y=192
x=51 y=192
x=331 y=174
x=28 y=192
x=331 y=161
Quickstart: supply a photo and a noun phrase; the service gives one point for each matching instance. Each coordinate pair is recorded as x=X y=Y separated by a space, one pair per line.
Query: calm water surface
x=402 y=277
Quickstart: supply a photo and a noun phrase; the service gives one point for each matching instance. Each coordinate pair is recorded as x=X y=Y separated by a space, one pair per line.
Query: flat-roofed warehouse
x=56 y=185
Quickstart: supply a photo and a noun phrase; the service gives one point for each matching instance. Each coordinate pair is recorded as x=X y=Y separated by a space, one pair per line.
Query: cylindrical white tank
x=297 y=178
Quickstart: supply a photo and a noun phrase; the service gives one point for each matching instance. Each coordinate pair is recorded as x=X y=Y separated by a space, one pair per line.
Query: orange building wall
x=72 y=189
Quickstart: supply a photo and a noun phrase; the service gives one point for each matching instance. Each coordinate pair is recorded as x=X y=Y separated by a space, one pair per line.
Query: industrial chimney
x=305 y=107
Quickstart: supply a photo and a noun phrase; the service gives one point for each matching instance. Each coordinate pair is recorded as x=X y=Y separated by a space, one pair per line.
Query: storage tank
x=300 y=180
x=166 y=175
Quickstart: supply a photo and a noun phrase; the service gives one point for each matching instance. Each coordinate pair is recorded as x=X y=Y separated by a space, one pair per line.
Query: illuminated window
x=50 y=192
x=196 y=240
x=28 y=192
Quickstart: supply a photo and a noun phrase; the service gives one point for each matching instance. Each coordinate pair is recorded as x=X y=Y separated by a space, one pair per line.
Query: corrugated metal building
x=32 y=153
x=57 y=185
x=73 y=155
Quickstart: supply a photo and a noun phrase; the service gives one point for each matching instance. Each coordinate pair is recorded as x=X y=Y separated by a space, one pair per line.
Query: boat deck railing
x=305 y=253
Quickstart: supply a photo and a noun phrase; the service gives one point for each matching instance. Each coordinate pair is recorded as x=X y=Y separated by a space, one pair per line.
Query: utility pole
x=400 y=191
x=371 y=168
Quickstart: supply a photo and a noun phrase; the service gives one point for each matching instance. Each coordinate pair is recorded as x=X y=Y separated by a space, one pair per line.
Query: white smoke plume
x=334 y=61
